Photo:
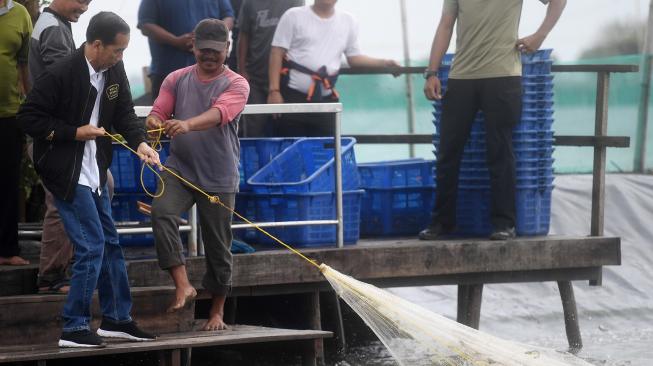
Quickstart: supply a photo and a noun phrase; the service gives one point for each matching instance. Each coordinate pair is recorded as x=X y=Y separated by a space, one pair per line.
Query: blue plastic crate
x=397 y=173
x=536 y=104
x=537 y=67
x=537 y=78
x=255 y=153
x=528 y=113
x=532 y=203
x=532 y=95
x=296 y=207
x=125 y=210
x=537 y=87
x=307 y=166
x=396 y=211
x=123 y=168
x=539 y=124
x=539 y=55
x=126 y=170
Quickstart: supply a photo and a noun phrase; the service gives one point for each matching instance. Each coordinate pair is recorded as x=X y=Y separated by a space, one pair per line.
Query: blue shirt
x=177 y=17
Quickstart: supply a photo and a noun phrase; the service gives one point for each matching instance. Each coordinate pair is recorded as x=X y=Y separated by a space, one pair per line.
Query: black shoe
x=128 y=331
x=434 y=232
x=81 y=338
x=503 y=234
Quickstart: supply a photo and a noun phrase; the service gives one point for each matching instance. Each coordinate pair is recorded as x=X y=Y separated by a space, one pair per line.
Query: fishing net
x=416 y=336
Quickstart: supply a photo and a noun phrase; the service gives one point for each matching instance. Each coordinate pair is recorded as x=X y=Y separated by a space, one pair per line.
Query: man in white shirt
x=306 y=54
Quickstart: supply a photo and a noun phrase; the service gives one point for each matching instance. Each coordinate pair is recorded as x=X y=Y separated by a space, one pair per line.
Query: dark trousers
x=303 y=124
x=11 y=152
x=500 y=101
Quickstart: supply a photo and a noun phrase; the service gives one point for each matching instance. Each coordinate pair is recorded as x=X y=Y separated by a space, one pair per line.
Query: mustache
x=208 y=58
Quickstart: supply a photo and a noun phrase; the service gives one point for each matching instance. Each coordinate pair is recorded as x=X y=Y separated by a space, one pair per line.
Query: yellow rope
x=212 y=199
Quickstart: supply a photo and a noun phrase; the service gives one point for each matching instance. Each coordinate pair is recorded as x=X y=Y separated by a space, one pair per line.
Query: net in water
x=416 y=336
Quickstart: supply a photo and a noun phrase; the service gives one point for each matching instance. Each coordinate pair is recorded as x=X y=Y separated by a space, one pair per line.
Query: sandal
x=60 y=287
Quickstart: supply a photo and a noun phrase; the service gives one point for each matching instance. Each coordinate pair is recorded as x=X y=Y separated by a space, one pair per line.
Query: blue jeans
x=99 y=261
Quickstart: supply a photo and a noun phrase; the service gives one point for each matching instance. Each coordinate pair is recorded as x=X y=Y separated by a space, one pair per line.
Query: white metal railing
x=336 y=108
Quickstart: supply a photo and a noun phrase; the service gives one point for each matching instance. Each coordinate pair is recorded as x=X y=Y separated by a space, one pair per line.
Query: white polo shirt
x=90 y=173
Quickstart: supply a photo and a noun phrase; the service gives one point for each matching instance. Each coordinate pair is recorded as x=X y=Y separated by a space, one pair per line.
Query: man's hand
x=148 y=155
x=531 y=43
x=433 y=88
x=88 y=132
x=275 y=97
x=392 y=63
x=174 y=127
x=184 y=42
x=153 y=122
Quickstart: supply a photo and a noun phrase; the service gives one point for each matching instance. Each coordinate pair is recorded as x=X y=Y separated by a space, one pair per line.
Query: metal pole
x=409 y=77
x=192 y=236
x=642 y=120
x=338 y=160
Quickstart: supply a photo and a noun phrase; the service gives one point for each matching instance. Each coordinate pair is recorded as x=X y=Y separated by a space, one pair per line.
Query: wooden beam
x=469 y=305
x=598 y=141
x=606 y=68
x=598 y=172
x=401 y=258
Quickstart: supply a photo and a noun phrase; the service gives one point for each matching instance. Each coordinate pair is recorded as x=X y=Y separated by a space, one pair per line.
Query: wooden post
x=340 y=327
x=571 y=316
x=600 y=129
x=309 y=355
x=642 y=120
x=315 y=322
x=41 y=363
x=469 y=305
x=170 y=357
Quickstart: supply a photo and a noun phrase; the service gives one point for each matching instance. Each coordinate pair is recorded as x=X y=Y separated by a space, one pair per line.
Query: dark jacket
x=61 y=100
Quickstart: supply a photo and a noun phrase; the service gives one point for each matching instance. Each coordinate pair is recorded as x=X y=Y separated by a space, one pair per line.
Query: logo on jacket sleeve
x=112 y=91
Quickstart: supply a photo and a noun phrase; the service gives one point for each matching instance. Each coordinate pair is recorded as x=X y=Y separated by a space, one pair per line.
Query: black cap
x=212 y=34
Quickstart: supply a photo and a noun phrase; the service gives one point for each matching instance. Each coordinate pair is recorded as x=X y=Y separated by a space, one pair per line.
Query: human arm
x=367 y=61
x=533 y=42
x=224 y=110
x=183 y=42
x=227 y=14
x=243 y=45
x=148 y=22
x=432 y=86
x=274 y=75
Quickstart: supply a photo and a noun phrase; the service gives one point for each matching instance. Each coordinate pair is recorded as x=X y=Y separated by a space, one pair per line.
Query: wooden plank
x=236 y=334
x=606 y=141
x=36 y=319
x=598 y=172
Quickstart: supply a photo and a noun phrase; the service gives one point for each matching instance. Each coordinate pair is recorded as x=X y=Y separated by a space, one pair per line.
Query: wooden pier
x=468 y=263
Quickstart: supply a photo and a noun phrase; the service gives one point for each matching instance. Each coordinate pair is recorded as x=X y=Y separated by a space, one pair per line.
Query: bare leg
x=216 y=314
x=184 y=291
x=13 y=261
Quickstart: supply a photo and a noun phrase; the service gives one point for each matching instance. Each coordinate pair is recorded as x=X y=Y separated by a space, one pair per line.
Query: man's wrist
x=273 y=90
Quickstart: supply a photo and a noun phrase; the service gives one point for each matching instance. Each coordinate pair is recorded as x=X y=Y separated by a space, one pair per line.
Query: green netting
x=377 y=104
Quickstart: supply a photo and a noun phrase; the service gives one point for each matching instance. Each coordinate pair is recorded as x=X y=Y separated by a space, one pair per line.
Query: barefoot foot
x=182 y=297
x=13 y=261
x=215 y=323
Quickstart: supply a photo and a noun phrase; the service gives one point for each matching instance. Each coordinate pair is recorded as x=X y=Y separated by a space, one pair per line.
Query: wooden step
x=236 y=334
x=36 y=319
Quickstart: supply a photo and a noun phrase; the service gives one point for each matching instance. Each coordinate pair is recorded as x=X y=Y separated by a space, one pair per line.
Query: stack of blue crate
x=399 y=196
x=533 y=147
x=299 y=185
